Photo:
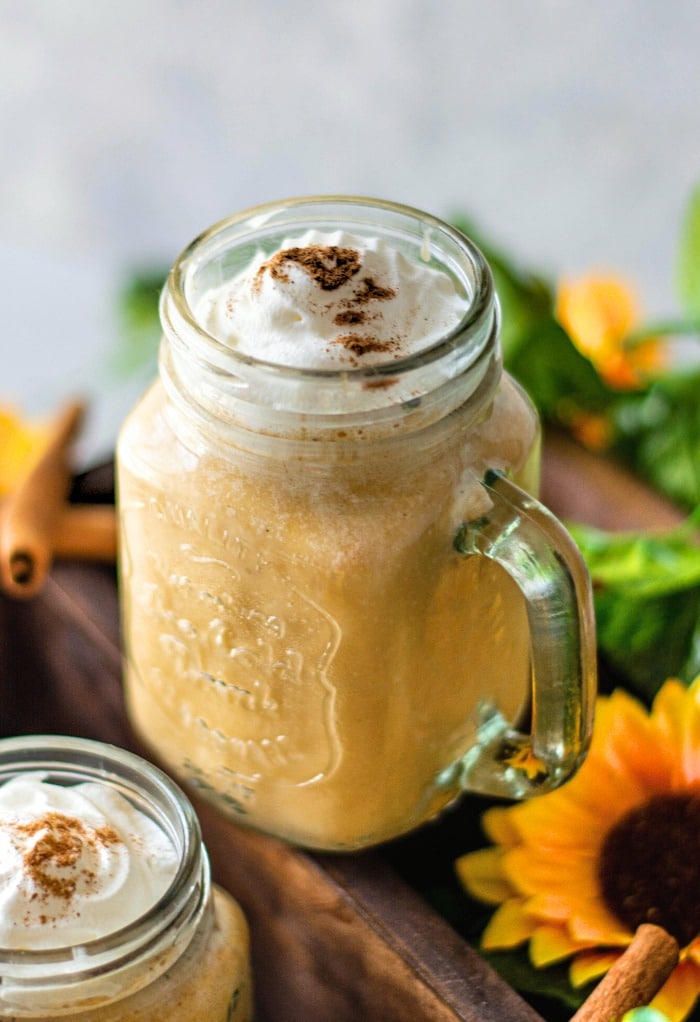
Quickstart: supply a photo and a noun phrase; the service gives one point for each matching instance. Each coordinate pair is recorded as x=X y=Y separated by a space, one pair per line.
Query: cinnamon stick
x=86 y=532
x=29 y=515
x=634 y=979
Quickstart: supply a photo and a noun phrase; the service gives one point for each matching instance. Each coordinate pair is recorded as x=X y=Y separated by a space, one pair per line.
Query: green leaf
x=658 y=435
x=139 y=322
x=647 y=602
x=536 y=349
x=688 y=266
x=641 y=564
x=525 y=299
x=555 y=374
x=647 y=641
x=551 y=983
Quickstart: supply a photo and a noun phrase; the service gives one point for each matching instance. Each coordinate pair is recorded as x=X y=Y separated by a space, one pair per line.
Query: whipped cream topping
x=332 y=301
x=76 y=863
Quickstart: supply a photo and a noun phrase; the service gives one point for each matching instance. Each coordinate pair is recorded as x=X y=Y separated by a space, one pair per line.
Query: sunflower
x=576 y=871
x=599 y=312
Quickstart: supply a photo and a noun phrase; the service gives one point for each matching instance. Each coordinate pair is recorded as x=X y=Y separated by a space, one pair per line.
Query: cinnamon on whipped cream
x=333 y=301
x=76 y=863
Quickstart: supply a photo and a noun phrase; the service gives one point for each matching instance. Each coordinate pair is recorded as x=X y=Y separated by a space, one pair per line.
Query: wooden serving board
x=334 y=938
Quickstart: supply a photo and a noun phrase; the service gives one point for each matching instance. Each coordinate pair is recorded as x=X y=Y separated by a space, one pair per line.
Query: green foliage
x=657 y=433
x=688 y=265
x=647 y=602
x=642 y=565
x=656 y=430
x=536 y=350
x=139 y=323
x=647 y=588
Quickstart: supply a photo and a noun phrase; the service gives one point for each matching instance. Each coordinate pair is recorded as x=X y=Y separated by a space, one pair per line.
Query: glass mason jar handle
x=522 y=536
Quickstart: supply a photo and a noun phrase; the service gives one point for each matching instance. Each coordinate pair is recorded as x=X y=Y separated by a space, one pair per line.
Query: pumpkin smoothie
x=305 y=644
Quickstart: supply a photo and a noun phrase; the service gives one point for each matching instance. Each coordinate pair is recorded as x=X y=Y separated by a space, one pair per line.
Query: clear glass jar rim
x=83 y=759
x=481 y=303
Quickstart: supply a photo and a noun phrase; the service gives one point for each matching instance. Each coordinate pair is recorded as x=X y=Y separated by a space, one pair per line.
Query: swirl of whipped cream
x=332 y=301
x=76 y=863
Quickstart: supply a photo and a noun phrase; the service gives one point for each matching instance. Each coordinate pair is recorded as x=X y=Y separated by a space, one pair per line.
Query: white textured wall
x=570 y=131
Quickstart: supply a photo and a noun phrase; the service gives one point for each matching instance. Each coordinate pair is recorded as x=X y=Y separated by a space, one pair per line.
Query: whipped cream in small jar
x=107 y=911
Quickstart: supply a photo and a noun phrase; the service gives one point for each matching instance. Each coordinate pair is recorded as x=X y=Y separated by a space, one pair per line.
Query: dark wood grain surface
x=334 y=937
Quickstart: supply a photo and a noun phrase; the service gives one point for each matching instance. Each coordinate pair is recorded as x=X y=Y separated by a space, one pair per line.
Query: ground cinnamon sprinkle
x=350 y=318
x=370 y=291
x=353 y=311
x=50 y=864
x=362 y=345
x=330 y=266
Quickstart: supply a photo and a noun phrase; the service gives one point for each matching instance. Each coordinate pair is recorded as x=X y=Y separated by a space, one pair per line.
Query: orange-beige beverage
x=314 y=636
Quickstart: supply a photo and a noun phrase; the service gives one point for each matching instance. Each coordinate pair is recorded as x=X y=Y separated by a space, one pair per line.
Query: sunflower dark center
x=649 y=867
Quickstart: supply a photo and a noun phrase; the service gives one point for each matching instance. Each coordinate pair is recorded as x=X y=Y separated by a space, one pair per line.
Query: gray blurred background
x=569 y=132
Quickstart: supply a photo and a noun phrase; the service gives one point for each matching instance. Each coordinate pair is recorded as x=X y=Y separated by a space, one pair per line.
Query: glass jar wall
x=88 y=832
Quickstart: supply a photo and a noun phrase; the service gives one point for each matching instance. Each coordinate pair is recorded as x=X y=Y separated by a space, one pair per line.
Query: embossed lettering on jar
x=313 y=503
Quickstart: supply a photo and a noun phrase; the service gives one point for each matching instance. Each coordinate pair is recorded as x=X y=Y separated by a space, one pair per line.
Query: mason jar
x=184 y=956
x=342 y=602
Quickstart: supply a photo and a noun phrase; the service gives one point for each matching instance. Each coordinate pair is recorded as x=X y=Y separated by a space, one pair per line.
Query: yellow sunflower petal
x=692 y=951
x=671 y=707
x=693 y=693
x=589 y=792
x=680 y=992
x=690 y=752
x=591 y=965
x=593 y=924
x=690 y=755
x=635 y=747
x=531 y=872
x=554 y=908
x=481 y=875
x=499 y=825
x=557 y=824
x=676 y=714
x=508 y=927
x=622 y=740
x=550 y=944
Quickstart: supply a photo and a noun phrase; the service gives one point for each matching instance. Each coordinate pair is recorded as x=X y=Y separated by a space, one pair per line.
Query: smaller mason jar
x=184 y=957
